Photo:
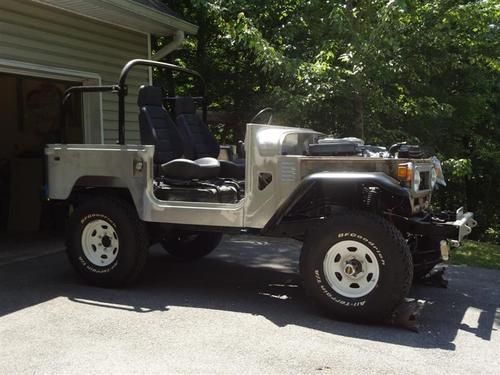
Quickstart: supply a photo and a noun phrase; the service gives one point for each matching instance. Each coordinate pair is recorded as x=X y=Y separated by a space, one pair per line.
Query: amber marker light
x=405 y=172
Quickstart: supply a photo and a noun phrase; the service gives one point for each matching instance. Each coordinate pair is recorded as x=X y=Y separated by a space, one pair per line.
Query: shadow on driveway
x=255 y=276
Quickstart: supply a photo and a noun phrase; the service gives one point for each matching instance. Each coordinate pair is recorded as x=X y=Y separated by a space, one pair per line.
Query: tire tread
x=141 y=236
x=405 y=273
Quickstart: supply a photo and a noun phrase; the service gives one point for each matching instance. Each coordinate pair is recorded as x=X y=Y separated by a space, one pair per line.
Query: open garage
x=46 y=47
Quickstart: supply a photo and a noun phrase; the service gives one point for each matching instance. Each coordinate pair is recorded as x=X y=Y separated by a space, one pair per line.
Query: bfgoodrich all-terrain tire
x=107 y=242
x=187 y=246
x=356 y=266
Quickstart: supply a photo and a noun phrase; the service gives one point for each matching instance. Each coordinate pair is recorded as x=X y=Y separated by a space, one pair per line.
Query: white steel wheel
x=351 y=269
x=100 y=243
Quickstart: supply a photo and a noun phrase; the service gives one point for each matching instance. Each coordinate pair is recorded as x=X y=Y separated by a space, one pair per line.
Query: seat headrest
x=149 y=95
x=184 y=105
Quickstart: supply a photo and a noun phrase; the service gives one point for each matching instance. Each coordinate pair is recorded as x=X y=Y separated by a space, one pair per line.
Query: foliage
x=479 y=254
x=425 y=71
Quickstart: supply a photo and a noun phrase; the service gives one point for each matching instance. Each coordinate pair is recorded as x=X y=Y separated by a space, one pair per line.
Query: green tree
x=426 y=71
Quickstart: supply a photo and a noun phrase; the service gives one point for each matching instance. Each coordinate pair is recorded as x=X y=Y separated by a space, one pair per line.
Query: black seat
x=158 y=129
x=198 y=142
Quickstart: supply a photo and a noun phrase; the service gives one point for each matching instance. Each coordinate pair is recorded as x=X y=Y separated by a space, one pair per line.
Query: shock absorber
x=371 y=198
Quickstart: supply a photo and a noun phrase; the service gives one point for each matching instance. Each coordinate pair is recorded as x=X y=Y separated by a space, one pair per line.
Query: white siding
x=43 y=35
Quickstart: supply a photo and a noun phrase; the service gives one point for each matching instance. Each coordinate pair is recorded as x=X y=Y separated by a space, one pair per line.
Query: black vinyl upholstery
x=232 y=169
x=158 y=129
x=185 y=169
x=198 y=141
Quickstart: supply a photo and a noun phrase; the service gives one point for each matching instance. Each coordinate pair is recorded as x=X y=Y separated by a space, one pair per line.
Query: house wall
x=42 y=35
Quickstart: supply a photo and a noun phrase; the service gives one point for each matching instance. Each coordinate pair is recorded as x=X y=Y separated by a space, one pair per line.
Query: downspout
x=172 y=46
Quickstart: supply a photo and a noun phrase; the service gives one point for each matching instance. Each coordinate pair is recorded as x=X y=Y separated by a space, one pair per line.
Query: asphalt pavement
x=240 y=310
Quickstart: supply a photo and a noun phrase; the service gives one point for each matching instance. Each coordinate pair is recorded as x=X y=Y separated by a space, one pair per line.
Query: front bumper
x=446 y=225
x=464 y=222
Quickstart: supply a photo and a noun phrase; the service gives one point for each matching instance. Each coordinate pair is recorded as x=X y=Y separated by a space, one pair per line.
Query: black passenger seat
x=198 y=141
x=158 y=129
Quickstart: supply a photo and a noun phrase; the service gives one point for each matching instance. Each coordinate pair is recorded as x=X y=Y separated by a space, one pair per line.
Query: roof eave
x=129 y=14
x=156 y=15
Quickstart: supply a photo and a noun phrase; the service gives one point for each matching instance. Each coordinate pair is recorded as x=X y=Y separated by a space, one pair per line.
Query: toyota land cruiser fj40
x=361 y=212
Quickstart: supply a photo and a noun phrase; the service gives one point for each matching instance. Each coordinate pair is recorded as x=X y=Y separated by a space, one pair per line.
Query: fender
x=342 y=188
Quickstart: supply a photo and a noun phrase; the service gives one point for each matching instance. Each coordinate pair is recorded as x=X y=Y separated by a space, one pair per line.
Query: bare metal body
x=365 y=218
x=276 y=150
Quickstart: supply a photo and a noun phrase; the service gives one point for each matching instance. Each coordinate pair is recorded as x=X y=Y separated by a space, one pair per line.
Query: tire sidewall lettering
x=327 y=291
x=382 y=241
x=359 y=237
x=91 y=217
x=82 y=259
x=335 y=298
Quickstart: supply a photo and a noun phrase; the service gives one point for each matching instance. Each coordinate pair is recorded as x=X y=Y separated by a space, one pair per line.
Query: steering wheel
x=260 y=113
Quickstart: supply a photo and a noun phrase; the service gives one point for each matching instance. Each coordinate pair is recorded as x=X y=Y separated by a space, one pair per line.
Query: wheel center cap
x=106 y=241
x=353 y=268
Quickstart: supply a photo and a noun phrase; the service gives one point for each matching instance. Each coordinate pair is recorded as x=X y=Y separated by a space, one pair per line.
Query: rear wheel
x=107 y=242
x=357 y=266
x=186 y=246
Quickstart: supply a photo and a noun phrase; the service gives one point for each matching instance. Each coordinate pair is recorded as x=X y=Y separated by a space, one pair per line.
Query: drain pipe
x=172 y=46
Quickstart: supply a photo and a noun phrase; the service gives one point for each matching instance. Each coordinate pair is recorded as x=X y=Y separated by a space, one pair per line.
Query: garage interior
x=31 y=116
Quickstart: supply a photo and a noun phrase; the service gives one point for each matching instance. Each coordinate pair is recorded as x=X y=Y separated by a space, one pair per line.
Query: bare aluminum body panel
x=271 y=150
x=131 y=167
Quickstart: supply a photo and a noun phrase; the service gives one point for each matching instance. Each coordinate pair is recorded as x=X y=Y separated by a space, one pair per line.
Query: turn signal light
x=405 y=171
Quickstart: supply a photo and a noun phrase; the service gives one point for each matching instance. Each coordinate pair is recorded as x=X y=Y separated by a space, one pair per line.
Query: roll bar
x=122 y=90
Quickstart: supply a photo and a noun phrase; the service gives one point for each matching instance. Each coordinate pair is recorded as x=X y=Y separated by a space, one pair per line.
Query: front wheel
x=107 y=242
x=357 y=266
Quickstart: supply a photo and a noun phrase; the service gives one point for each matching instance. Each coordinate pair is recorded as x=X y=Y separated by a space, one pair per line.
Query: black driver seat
x=158 y=129
x=198 y=141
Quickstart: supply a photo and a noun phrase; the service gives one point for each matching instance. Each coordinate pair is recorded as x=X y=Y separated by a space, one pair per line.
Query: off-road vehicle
x=361 y=212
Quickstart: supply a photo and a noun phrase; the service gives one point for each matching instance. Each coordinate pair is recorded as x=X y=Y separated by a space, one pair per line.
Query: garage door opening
x=31 y=117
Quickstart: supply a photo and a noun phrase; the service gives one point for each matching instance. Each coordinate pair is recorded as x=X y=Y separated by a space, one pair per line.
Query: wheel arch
x=321 y=194
x=86 y=187
x=90 y=187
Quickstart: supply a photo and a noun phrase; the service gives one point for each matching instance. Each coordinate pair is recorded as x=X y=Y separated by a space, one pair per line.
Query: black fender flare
x=342 y=185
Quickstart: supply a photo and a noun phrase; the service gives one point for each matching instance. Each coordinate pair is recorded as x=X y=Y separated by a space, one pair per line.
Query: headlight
x=416 y=179
x=433 y=177
x=439 y=171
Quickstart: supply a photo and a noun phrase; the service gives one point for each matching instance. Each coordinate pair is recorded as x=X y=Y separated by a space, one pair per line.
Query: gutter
x=170 y=47
x=137 y=8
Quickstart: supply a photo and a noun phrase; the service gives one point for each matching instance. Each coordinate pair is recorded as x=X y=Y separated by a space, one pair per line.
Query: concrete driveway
x=241 y=310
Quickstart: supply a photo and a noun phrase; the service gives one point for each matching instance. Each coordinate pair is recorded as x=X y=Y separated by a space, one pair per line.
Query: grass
x=479 y=254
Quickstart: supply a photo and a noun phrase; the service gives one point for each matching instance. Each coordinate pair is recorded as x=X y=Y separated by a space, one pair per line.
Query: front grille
x=425 y=183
